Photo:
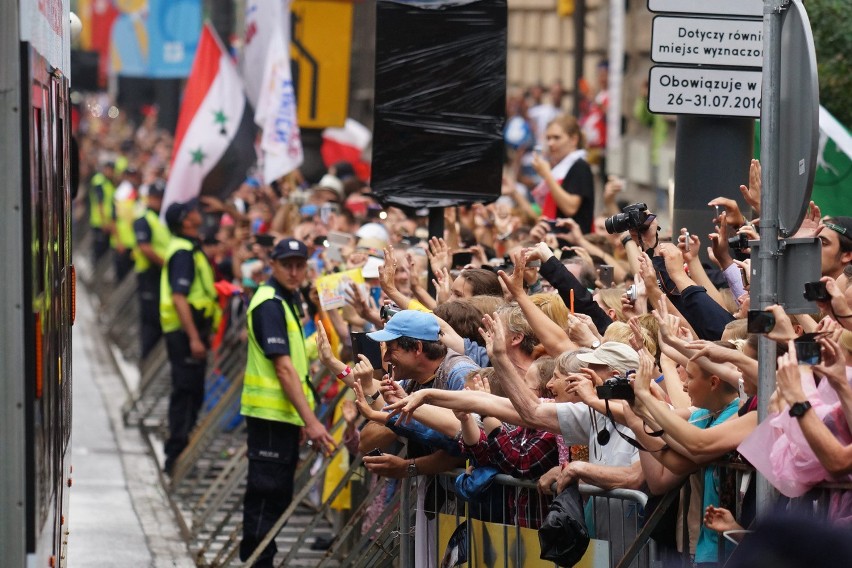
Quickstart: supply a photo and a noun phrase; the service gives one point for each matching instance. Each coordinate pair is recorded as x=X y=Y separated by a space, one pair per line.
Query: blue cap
x=289 y=248
x=177 y=212
x=409 y=323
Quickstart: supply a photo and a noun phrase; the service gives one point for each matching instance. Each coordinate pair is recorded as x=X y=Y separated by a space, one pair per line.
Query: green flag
x=833 y=180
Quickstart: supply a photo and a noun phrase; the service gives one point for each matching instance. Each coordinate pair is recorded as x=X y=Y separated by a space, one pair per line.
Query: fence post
x=405 y=557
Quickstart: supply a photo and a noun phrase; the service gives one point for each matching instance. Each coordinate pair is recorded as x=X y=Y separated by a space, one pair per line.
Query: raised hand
x=783 y=330
x=493 y=331
x=688 y=249
x=387 y=272
x=752 y=192
x=812 y=223
x=443 y=285
x=788 y=378
x=645 y=374
x=439 y=254
x=732 y=210
x=833 y=363
x=364 y=406
x=392 y=391
x=363 y=370
x=720 y=519
x=515 y=282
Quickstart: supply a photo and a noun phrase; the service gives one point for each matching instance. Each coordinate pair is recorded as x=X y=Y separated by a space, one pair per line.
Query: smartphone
x=363 y=345
x=333 y=254
x=375 y=452
x=744 y=276
x=760 y=322
x=568 y=252
x=462 y=259
x=816 y=292
x=338 y=238
x=808 y=350
x=718 y=211
x=552 y=224
x=605 y=274
x=266 y=241
x=686 y=240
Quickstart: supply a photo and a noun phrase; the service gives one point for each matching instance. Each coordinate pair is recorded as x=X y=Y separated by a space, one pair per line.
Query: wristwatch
x=798 y=409
x=412 y=469
x=371 y=398
x=596 y=343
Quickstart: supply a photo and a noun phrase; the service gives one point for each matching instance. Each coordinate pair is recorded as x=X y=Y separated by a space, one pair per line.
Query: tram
x=36 y=280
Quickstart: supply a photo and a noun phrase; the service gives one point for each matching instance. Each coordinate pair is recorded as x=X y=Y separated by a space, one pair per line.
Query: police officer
x=101 y=194
x=152 y=240
x=277 y=399
x=189 y=313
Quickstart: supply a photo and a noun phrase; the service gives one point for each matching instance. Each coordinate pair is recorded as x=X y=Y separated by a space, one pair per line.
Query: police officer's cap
x=289 y=248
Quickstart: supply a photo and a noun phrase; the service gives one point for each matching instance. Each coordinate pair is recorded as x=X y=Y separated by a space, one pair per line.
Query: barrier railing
x=498 y=533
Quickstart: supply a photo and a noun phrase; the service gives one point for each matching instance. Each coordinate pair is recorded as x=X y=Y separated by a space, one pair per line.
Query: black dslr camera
x=387 y=311
x=634 y=216
x=738 y=242
x=616 y=388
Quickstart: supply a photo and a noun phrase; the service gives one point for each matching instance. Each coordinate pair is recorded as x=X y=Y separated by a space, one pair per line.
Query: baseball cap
x=177 y=212
x=409 y=323
x=289 y=248
x=157 y=188
x=841 y=225
x=615 y=355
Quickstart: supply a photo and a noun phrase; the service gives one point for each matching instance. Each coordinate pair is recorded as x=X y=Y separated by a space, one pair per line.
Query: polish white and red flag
x=347 y=144
x=214 y=142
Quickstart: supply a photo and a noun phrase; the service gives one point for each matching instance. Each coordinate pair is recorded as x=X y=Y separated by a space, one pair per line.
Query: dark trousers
x=123 y=264
x=150 y=332
x=100 y=244
x=187 y=394
x=273 y=452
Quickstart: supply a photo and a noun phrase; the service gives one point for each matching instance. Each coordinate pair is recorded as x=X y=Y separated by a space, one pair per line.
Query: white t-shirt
x=580 y=425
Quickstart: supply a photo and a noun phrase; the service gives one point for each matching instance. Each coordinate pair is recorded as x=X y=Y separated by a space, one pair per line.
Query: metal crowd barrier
x=497 y=532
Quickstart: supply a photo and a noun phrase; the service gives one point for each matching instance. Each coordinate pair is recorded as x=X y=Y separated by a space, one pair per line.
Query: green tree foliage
x=831 y=21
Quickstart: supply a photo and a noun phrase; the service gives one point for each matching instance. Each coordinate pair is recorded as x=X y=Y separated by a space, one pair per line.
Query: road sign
x=709 y=92
x=715 y=7
x=707 y=41
x=320 y=50
x=798 y=119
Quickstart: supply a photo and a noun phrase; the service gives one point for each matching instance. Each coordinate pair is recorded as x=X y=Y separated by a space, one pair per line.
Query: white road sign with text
x=707 y=41
x=709 y=92
x=716 y=7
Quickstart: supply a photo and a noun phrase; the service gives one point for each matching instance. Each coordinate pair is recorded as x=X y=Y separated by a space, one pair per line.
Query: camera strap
x=632 y=441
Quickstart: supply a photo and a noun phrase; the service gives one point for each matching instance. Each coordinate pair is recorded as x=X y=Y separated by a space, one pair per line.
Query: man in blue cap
x=189 y=315
x=277 y=399
x=416 y=355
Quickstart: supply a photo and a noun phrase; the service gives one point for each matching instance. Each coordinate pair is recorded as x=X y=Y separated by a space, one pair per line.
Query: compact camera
x=738 y=242
x=634 y=216
x=616 y=388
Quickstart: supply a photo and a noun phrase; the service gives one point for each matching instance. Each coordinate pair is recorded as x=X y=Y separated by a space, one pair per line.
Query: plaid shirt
x=524 y=453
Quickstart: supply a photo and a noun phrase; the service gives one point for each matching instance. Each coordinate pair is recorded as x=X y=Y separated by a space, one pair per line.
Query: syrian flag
x=214 y=142
x=276 y=107
x=347 y=144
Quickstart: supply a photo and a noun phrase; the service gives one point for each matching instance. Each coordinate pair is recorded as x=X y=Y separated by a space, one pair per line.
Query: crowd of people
x=541 y=336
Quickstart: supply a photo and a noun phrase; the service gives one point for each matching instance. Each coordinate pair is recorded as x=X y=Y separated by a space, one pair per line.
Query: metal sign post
x=767 y=260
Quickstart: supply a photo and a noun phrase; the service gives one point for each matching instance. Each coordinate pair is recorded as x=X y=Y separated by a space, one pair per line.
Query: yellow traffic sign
x=320 y=48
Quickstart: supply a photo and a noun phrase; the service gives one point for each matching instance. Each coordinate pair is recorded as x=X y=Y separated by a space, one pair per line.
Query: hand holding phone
x=605 y=274
x=375 y=452
x=816 y=292
x=760 y=322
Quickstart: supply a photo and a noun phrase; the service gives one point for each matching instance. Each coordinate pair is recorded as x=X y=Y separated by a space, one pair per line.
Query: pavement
x=119 y=514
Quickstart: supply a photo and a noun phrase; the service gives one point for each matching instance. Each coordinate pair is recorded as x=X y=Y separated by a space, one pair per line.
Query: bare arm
x=148 y=252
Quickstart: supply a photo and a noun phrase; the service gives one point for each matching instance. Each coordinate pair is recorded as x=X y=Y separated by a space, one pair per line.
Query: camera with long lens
x=387 y=311
x=635 y=216
x=616 y=388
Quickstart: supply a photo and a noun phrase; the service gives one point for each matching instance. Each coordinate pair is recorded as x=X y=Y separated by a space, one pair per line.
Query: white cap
x=331 y=182
x=373 y=231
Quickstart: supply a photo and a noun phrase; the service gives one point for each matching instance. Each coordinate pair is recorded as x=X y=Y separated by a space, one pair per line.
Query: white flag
x=262 y=19
x=276 y=109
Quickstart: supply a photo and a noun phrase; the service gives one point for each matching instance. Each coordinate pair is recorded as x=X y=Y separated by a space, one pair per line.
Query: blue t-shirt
x=707 y=548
